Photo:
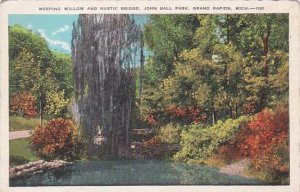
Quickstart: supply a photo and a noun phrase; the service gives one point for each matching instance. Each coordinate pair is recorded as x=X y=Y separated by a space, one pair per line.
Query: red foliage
x=189 y=113
x=150 y=119
x=57 y=138
x=23 y=104
x=266 y=139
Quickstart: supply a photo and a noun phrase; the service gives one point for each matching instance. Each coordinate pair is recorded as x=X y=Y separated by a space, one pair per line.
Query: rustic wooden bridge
x=142 y=131
x=149 y=148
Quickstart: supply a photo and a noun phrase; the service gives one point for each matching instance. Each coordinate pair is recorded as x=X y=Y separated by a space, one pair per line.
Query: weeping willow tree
x=104 y=52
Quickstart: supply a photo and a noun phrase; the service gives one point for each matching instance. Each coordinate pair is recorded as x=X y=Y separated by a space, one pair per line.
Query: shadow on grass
x=17 y=160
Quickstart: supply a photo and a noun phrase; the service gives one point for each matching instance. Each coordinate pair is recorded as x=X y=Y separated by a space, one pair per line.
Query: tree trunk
x=265 y=72
x=103 y=57
x=141 y=68
x=40 y=107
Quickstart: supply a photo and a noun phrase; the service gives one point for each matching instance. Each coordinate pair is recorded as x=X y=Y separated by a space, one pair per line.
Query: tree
x=166 y=36
x=24 y=71
x=103 y=55
x=29 y=58
x=62 y=68
x=258 y=38
x=35 y=69
x=21 y=38
x=233 y=63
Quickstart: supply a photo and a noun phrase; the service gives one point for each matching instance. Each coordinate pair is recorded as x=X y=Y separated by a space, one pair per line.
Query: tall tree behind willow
x=167 y=36
x=240 y=61
x=262 y=40
x=251 y=54
x=104 y=52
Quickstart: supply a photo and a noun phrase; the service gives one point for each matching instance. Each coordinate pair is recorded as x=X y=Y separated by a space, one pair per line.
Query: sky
x=56 y=29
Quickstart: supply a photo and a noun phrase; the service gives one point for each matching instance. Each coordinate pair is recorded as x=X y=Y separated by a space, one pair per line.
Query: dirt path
x=237 y=168
x=19 y=134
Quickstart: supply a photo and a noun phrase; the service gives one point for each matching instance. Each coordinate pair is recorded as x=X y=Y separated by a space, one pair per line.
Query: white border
x=31 y=7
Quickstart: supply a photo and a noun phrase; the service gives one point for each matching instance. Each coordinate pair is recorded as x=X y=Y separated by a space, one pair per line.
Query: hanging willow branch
x=103 y=56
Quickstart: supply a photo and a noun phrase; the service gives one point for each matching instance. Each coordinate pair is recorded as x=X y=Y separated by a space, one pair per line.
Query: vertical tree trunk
x=40 y=107
x=265 y=72
x=213 y=117
x=103 y=57
x=141 y=68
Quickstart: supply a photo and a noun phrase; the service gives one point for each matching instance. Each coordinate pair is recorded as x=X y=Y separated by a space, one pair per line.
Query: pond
x=132 y=172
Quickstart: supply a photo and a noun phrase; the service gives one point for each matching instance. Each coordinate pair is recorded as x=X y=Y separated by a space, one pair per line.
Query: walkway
x=236 y=168
x=19 y=134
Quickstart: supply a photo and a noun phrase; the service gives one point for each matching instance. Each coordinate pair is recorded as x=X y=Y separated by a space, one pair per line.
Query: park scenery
x=148 y=99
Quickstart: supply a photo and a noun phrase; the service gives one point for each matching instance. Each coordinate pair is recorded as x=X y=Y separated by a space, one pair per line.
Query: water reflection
x=133 y=172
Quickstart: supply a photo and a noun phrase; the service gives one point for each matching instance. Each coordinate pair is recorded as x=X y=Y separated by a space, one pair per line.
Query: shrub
x=266 y=142
x=151 y=120
x=56 y=103
x=23 y=104
x=184 y=114
x=56 y=139
x=170 y=134
x=199 y=143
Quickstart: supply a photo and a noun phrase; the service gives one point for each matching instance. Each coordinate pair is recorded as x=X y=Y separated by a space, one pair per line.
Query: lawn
x=17 y=123
x=20 y=153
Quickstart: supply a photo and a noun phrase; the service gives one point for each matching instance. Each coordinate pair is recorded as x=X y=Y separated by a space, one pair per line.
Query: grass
x=17 y=123
x=269 y=177
x=20 y=153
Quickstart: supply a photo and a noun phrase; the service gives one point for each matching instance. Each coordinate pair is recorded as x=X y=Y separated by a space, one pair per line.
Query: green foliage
x=228 y=67
x=21 y=38
x=184 y=87
x=24 y=70
x=35 y=69
x=63 y=72
x=166 y=36
x=206 y=35
x=246 y=31
x=199 y=143
x=56 y=103
x=170 y=133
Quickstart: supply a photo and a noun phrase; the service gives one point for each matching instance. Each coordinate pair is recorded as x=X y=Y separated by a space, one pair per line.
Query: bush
x=266 y=142
x=56 y=139
x=23 y=104
x=170 y=134
x=184 y=114
x=56 y=104
x=199 y=143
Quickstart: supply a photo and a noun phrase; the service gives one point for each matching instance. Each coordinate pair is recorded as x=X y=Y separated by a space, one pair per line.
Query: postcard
x=150 y=95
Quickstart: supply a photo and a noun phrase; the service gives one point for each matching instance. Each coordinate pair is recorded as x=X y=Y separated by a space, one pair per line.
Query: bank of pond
x=132 y=172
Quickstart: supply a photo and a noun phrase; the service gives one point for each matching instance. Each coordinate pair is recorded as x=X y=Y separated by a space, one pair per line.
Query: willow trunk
x=103 y=55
